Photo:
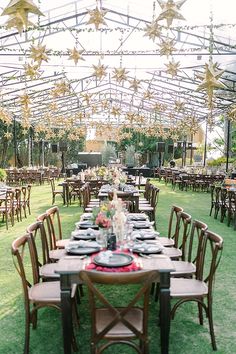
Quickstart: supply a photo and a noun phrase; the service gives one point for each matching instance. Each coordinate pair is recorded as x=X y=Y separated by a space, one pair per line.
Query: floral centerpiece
x=103 y=215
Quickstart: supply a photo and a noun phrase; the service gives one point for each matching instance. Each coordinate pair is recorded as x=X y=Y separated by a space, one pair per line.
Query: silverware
x=144 y=256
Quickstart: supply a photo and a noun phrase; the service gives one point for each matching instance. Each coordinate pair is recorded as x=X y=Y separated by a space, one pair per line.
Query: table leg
x=66 y=309
x=64 y=194
x=165 y=311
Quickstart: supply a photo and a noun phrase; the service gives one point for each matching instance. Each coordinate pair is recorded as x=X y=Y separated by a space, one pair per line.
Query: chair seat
x=49 y=292
x=166 y=241
x=58 y=192
x=57 y=254
x=181 y=287
x=182 y=267
x=62 y=243
x=45 y=292
x=48 y=270
x=104 y=317
x=172 y=252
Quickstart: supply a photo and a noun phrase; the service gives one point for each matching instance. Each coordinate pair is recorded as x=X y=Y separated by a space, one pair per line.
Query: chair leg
x=210 y=319
x=200 y=314
x=27 y=334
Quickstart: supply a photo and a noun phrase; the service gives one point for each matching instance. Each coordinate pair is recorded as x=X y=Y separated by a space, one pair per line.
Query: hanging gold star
x=75 y=55
x=15 y=21
x=94 y=109
x=105 y=104
x=210 y=80
x=99 y=70
x=130 y=116
x=8 y=135
x=116 y=111
x=120 y=74
x=148 y=95
x=25 y=100
x=135 y=84
x=60 y=89
x=18 y=10
x=31 y=70
x=179 y=106
x=53 y=106
x=152 y=31
x=172 y=68
x=97 y=17
x=39 y=53
x=170 y=11
x=87 y=97
x=167 y=47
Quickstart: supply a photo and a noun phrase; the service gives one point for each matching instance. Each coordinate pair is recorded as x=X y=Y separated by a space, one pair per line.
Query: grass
x=186 y=336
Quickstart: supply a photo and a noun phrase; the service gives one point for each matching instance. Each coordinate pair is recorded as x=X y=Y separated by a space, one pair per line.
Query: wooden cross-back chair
x=182 y=231
x=119 y=325
x=173 y=220
x=201 y=287
x=187 y=265
x=36 y=294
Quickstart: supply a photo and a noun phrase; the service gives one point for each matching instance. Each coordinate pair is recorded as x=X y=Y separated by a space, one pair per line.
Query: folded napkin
x=82 y=244
x=86 y=232
x=148 y=248
x=142 y=224
x=144 y=234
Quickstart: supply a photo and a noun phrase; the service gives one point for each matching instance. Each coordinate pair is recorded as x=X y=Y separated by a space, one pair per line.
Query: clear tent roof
x=120 y=43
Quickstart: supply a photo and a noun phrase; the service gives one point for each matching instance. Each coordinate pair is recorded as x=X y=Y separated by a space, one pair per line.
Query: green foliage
x=219 y=161
x=3 y=174
x=130 y=155
x=108 y=153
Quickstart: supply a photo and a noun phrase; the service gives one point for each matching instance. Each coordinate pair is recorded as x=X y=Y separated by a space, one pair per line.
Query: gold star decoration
x=25 y=100
x=60 y=89
x=210 y=80
x=75 y=55
x=179 y=106
x=152 y=31
x=8 y=135
x=15 y=21
x=31 y=70
x=97 y=17
x=99 y=70
x=232 y=113
x=116 y=111
x=120 y=74
x=167 y=47
x=87 y=97
x=170 y=11
x=172 y=68
x=18 y=10
x=135 y=84
x=105 y=104
x=39 y=53
x=94 y=109
x=148 y=95
x=130 y=116
x=53 y=106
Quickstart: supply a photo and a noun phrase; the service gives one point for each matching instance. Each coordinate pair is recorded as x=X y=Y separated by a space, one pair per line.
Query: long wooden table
x=69 y=268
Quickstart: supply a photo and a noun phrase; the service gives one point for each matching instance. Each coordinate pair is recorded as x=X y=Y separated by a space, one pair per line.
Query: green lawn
x=186 y=336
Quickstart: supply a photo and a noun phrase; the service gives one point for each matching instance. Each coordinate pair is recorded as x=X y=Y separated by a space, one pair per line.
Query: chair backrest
x=195 y=241
x=143 y=280
x=55 y=225
x=22 y=252
x=211 y=251
x=183 y=227
x=36 y=231
x=52 y=182
x=155 y=196
x=173 y=219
